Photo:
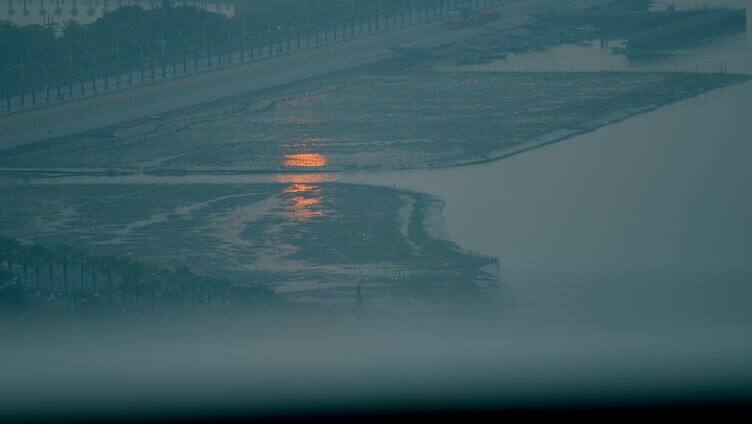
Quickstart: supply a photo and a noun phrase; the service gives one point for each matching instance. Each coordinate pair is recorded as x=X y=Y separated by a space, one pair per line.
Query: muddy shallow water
x=390 y=118
x=306 y=238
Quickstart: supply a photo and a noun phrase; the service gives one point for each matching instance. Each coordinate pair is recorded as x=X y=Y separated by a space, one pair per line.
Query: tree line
x=72 y=275
x=130 y=36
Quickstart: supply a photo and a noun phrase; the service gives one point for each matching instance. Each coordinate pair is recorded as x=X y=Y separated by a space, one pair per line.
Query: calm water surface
x=644 y=224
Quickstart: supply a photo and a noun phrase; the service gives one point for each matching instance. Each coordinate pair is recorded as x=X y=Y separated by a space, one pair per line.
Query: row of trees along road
x=130 y=37
x=72 y=275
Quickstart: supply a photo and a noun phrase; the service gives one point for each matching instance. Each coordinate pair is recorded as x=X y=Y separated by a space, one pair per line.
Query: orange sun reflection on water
x=300 y=202
x=301 y=188
x=303 y=178
x=304 y=195
x=305 y=160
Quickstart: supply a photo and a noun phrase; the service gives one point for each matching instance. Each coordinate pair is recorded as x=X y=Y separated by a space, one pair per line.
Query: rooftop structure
x=42 y=12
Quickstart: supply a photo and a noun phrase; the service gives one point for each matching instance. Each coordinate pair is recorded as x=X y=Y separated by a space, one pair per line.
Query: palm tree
x=155 y=287
x=23 y=258
x=82 y=257
x=102 y=275
x=118 y=266
x=9 y=251
x=38 y=257
x=94 y=278
x=62 y=255
x=50 y=274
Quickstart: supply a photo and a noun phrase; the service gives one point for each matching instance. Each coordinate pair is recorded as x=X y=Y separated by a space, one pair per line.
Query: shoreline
x=589 y=127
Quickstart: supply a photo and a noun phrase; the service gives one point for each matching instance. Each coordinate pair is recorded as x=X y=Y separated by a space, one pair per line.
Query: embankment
x=140 y=102
x=689 y=29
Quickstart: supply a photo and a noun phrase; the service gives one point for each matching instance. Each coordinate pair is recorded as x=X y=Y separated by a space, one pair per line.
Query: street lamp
x=268 y=23
x=184 y=38
x=185 y=53
x=117 y=47
x=140 y=58
x=44 y=71
x=140 y=50
x=344 y=11
x=96 y=65
x=94 y=58
x=22 y=63
x=222 y=27
x=163 y=38
x=203 y=32
x=70 y=61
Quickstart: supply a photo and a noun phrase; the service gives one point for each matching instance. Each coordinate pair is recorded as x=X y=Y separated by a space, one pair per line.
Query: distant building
x=41 y=12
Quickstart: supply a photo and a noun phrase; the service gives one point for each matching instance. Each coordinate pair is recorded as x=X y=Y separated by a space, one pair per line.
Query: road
x=163 y=96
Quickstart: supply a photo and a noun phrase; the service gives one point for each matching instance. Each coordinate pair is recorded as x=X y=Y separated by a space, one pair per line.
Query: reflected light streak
x=305 y=208
x=304 y=178
x=305 y=196
x=305 y=160
x=302 y=188
x=300 y=202
x=305 y=214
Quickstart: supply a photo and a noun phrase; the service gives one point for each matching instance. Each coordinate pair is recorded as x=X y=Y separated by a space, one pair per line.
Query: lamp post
x=140 y=58
x=185 y=54
x=96 y=65
x=163 y=42
x=94 y=58
x=27 y=52
x=269 y=30
x=44 y=71
x=140 y=50
x=117 y=48
x=203 y=32
x=229 y=34
x=70 y=61
x=229 y=42
x=344 y=11
x=381 y=14
x=184 y=38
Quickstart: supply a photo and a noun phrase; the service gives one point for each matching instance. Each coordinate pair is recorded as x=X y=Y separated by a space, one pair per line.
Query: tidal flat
x=307 y=239
x=407 y=118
